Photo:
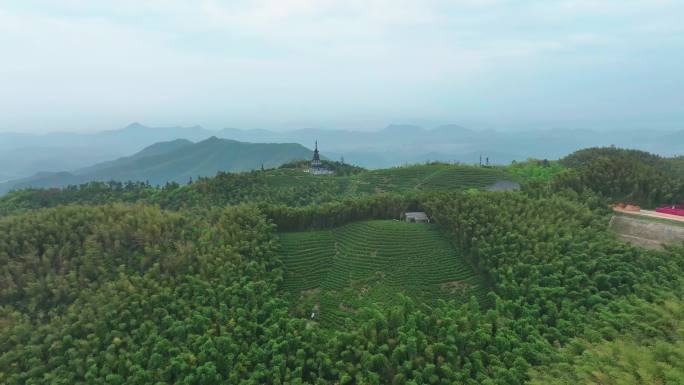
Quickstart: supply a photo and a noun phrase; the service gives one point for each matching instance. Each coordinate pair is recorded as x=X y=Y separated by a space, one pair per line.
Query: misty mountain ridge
x=26 y=154
x=174 y=161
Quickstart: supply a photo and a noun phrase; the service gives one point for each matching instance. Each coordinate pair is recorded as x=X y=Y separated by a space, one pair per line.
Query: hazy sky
x=93 y=65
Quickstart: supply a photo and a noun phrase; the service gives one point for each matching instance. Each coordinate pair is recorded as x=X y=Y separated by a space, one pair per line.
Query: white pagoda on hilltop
x=316 y=167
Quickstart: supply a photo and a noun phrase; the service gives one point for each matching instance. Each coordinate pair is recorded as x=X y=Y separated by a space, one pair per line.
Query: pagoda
x=316 y=166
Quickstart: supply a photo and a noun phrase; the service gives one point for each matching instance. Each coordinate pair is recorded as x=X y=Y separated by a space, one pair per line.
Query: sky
x=87 y=65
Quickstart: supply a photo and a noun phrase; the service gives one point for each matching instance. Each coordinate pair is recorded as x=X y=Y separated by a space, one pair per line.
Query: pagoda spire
x=316 y=161
x=316 y=166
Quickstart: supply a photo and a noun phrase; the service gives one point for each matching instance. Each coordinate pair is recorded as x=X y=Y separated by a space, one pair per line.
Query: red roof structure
x=672 y=210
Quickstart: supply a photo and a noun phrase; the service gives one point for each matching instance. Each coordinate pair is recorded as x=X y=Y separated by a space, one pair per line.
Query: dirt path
x=652 y=214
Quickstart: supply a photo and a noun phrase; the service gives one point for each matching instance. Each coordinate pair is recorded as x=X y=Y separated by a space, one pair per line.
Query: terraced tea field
x=335 y=272
x=430 y=177
x=397 y=179
x=463 y=177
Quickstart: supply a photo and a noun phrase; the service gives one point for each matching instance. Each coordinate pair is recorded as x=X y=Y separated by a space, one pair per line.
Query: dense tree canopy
x=623 y=180
x=582 y=157
x=183 y=285
x=289 y=185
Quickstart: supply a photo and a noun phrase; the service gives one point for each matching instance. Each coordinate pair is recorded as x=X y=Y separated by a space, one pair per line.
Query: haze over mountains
x=24 y=155
x=173 y=161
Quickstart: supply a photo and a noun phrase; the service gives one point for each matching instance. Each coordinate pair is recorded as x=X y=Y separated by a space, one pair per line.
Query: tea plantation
x=463 y=177
x=333 y=273
x=429 y=177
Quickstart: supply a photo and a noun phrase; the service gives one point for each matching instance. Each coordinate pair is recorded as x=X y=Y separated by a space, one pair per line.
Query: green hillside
x=438 y=176
x=290 y=185
x=175 y=161
x=397 y=178
x=153 y=150
x=336 y=272
x=189 y=286
x=621 y=175
x=463 y=178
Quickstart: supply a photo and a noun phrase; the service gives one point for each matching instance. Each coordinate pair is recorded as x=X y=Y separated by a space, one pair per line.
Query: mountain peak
x=213 y=139
x=134 y=126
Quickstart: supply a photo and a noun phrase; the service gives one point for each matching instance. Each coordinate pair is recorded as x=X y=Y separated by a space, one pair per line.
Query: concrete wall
x=646 y=233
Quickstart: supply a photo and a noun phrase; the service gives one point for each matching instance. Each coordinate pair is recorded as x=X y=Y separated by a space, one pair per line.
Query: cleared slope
x=335 y=272
x=644 y=231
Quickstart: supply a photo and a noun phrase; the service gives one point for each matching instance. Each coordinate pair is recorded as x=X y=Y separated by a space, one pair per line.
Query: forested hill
x=674 y=166
x=133 y=294
x=174 y=161
x=290 y=185
x=622 y=175
x=215 y=282
x=596 y=176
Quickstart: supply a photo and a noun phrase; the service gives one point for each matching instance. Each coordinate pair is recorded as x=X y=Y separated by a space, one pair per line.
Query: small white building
x=416 y=216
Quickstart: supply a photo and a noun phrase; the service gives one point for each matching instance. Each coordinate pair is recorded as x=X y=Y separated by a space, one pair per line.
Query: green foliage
x=340 y=169
x=631 y=358
x=623 y=363
x=552 y=258
x=175 y=161
x=434 y=176
x=337 y=272
x=190 y=286
x=132 y=294
x=89 y=193
x=588 y=155
x=214 y=315
x=333 y=214
x=463 y=178
x=536 y=170
x=677 y=165
x=622 y=180
x=599 y=176
x=289 y=185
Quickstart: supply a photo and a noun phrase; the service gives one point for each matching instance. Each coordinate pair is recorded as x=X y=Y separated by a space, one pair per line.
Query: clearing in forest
x=337 y=271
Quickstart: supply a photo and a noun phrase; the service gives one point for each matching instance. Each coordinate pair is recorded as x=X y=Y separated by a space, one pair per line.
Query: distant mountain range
x=398 y=144
x=22 y=155
x=26 y=154
x=177 y=161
